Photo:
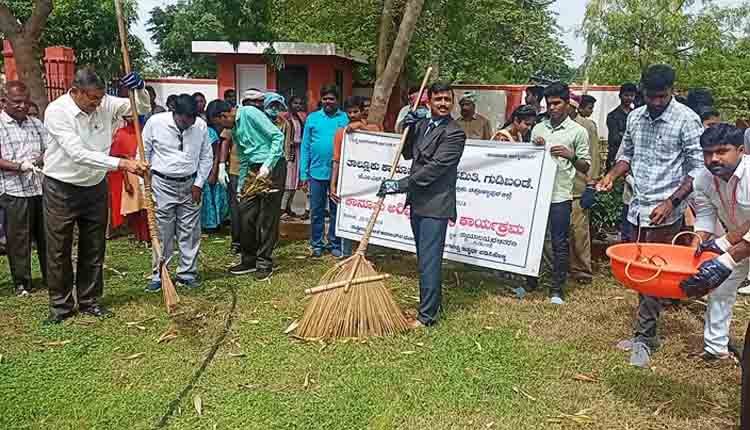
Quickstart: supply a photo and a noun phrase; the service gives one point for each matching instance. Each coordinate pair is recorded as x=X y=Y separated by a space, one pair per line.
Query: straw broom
x=171 y=299
x=352 y=300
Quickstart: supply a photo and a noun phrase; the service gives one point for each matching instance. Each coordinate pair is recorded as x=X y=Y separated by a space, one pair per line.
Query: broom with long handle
x=171 y=299
x=352 y=300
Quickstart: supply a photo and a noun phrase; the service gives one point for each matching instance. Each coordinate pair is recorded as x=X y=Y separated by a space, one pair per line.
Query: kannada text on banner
x=503 y=196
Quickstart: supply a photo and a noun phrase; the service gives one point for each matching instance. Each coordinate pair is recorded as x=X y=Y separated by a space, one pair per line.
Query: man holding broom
x=75 y=190
x=261 y=152
x=435 y=145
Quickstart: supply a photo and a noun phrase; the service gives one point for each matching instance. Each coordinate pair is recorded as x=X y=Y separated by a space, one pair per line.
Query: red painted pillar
x=513 y=99
x=10 y=61
x=59 y=69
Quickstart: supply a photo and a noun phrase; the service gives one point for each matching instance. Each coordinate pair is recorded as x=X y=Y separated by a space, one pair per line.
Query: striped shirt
x=661 y=153
x=21 y=142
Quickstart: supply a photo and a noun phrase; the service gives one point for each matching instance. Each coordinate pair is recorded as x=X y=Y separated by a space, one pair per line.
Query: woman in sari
x=296 y=117
x=126 y=205
x=215 y=207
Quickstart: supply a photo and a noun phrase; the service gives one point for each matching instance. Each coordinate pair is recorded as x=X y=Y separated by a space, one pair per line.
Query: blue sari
x=215 y=207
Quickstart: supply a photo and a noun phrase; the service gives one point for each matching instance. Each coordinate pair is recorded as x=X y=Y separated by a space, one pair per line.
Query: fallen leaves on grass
x=167 y=336
x=58 y=343
x=307 y=380
x=135 y=356
x=479 y=346
x=579 y=417
x=661 y=406
x=524 y=393
x=198 y=403
x=247 y=386
x=585 y=378
x=254 y=322
x=237 y=354
x=408 y=352
x=293 y=326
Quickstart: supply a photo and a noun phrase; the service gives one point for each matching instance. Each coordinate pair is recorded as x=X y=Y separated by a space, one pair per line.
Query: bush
x=606 y=213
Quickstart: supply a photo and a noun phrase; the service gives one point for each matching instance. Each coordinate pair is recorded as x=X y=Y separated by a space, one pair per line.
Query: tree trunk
x=29 y=68
x=385 y=81
x=384 y=36
x=24 y=38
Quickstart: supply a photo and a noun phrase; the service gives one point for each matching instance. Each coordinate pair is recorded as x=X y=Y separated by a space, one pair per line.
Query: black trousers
x=24 y=222
x=234 y=209
x=259 y=221
x=429 y=238
x=65 y=206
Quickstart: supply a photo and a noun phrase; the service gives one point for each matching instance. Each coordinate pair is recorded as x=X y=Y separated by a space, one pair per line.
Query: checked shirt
x=661 y=152
x=18 y=143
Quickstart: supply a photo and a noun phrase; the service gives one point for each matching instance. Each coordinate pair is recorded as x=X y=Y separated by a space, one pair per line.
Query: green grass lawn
x=493 y=362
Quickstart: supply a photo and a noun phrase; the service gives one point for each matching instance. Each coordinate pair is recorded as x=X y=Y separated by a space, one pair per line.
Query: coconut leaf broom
x=351 y=299
x=171 y=299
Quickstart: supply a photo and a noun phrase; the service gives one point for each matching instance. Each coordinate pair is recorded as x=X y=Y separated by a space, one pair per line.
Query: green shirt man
x=573 y=136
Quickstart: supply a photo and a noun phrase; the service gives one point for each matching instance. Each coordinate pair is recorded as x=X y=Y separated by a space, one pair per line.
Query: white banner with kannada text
x=503 y=196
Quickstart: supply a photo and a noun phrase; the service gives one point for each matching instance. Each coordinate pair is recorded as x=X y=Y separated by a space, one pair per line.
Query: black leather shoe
x=97 y=311
x=56 y=319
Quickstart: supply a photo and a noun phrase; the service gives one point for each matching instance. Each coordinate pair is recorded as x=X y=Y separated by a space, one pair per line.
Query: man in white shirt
x=22 y=143
x=75 y=190
x=721 y=192
x=180 y=155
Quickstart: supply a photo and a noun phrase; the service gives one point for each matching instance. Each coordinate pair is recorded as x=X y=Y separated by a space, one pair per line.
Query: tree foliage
x=90 y=28
x=174 y=27
x=705 y=42
x=507 y=41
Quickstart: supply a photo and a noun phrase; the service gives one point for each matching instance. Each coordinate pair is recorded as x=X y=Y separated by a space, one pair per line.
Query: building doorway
x=250 y=76
x=292 y=81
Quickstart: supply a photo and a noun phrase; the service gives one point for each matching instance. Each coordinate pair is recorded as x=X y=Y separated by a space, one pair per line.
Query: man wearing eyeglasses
x=76 y=162
x=181 y=157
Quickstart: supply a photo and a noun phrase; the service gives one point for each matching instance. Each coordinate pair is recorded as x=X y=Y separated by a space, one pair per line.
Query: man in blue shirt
x=316 y=156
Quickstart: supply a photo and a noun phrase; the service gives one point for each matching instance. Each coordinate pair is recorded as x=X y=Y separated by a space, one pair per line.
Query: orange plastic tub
x=659 y=270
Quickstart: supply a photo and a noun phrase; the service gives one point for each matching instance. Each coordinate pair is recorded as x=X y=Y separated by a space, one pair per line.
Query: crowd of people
x=241 y=160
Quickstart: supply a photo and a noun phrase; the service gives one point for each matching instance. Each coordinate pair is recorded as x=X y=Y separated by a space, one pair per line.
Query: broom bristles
x=365 y=310
x=169 y=292
x=171 y=299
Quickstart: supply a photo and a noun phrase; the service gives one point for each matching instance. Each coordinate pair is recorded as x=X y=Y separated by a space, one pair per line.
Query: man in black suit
x=436 y=145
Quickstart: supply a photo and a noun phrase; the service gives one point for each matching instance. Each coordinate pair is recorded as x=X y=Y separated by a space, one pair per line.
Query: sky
x=570 y=15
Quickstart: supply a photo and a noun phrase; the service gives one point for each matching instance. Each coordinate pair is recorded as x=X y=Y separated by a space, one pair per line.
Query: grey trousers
x=178 y=218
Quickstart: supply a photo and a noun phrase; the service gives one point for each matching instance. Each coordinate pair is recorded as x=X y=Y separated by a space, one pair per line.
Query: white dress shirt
x=79 y=152
x=726 y=201
x=161 y=140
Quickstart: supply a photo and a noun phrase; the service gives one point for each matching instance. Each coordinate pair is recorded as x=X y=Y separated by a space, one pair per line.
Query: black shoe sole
x=242 y=272
x=263 y=276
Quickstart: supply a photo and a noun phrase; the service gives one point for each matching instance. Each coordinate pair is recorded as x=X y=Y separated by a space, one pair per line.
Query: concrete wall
x=167 y=86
